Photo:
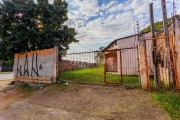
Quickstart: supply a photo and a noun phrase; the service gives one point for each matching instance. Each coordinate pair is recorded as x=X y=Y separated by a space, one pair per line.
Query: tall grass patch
x=170 y=102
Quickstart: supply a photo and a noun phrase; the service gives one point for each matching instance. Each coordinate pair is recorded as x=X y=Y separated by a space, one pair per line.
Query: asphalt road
x=5 y=76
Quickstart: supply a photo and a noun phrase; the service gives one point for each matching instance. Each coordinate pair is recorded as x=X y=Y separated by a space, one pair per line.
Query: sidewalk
x=6 y=75
x=5 y=79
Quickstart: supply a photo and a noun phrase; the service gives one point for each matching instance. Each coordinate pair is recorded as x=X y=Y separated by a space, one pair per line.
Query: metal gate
x=121 y=66
x=82 y=67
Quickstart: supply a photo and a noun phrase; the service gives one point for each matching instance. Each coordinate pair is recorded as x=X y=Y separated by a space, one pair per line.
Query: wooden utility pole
x=137 y=27
x=173 y=17
x=165 y=22
x=156 y=78
x=166 y=33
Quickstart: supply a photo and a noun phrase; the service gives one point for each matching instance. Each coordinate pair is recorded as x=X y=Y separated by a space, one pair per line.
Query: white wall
x=129 y=56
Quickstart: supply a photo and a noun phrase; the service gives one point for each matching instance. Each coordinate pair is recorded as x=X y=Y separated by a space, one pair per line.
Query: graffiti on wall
x=34 y=66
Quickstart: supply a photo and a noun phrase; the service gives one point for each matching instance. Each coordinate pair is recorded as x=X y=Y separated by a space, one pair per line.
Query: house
x=122 y=55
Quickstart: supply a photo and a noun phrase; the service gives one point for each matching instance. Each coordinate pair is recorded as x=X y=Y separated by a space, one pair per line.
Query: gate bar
x=104 y=67
x=121 y=81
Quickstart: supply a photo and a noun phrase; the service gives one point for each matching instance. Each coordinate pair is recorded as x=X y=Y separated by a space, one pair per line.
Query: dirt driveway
x=80 y=102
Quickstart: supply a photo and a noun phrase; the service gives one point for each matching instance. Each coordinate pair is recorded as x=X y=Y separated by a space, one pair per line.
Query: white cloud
x=97 y=24
x=116 y=8
x=107 y=6
x=137 y=3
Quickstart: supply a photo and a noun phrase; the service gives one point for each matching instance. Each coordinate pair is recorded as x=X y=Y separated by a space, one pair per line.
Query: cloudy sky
x=99 y=22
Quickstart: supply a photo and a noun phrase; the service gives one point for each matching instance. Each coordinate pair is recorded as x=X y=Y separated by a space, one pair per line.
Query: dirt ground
x=79 y=102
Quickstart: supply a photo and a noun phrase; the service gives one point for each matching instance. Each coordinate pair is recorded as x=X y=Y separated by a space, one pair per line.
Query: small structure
x=123 y=51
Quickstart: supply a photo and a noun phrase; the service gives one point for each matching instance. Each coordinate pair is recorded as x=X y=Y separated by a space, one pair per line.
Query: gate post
x=177 y=51
x=143 y=65
x=55 y=64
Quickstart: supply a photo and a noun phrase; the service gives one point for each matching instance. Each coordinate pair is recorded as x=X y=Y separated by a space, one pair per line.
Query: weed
x=56 y=88
x=169 y=101
x=25 y=87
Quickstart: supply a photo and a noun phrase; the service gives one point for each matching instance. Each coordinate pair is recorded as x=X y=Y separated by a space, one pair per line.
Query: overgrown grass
x=170 y=102
x=25 y=87
x=96 y=74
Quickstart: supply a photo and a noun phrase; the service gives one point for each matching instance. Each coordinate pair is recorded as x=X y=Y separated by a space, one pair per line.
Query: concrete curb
x=6 y=79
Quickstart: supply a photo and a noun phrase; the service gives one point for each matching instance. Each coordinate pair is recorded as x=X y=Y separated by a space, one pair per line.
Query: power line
x=84 y=46
x=158 y=13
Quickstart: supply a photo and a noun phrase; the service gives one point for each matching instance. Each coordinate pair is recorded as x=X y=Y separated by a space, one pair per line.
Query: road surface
x=5 y=76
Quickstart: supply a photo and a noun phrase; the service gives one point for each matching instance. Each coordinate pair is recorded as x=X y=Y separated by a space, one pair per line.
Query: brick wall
x=36 y=66
x=71 y=65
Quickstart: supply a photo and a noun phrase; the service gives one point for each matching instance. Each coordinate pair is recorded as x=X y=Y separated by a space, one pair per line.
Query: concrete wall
x=36 y=66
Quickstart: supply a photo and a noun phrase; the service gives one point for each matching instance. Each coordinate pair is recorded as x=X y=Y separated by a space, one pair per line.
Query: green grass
x=170 y=102
x=95 y=74
x=25 y=87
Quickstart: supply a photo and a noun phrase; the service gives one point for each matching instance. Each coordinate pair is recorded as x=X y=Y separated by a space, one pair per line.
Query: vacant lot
x=79 y=101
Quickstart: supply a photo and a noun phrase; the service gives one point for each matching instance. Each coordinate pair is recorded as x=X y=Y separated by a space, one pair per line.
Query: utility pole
x=156 y=78
x=173 y=17
x=139 y=76
x=166 y=33
x=138 y=27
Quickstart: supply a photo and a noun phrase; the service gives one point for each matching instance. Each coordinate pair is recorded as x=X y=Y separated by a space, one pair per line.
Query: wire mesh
x=82 y=67
x=121 y=66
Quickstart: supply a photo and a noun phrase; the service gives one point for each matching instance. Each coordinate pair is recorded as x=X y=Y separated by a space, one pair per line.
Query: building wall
x=36 y=66
x=129 y=56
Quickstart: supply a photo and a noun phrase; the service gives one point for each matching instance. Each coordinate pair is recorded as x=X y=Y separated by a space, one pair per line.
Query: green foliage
x=170 y=102
x=158 y=25
x=26 y=25
x=100 y=55
x=9 y=62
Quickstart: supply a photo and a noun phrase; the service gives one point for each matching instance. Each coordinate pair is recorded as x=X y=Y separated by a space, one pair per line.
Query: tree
x=158 y=25
x=26 y=25
x=100 y=55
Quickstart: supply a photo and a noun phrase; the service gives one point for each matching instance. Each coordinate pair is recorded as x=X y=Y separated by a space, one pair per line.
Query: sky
x=99 y=22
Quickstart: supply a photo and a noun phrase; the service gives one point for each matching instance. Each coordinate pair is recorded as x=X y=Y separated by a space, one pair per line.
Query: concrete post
x=142 y=65
x=177 y=51
x=55 y=64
